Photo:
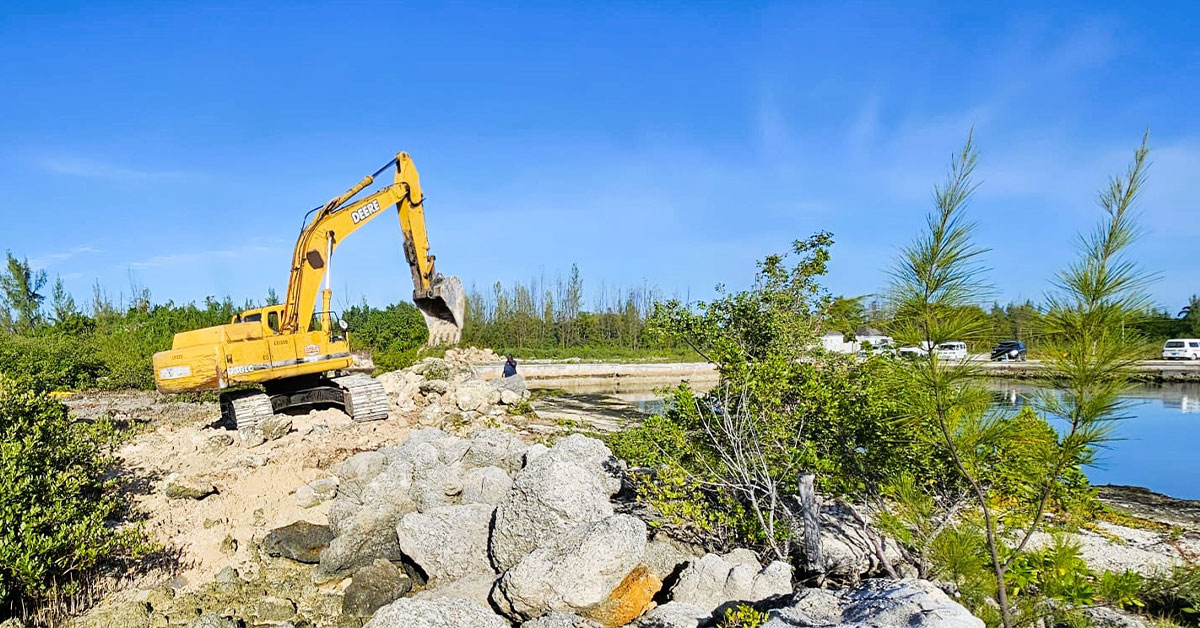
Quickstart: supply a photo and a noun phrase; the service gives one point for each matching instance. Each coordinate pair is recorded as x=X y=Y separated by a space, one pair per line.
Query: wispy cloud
x=196 y=258
x=50 y=259
x=102 y=169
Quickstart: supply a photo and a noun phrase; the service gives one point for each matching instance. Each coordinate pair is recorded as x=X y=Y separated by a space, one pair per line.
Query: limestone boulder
x=434 y=387
x=474 y=587
x=447 y=543
x=847 y=554
x=357 y=471
x=559 y=619
x=713 y=581
x=432 y=414
x=317 y=492
x=493 y=447
x=275 y=426
x=567 y=487
x=473 y=394
x=513 y=383
x=485 y=485
x=214 y=620
x=672 y=615
x=1104 y=617
x=665 y=557
x=368 y=534
x=594 y=571
x=875 y=602
x=440 y=613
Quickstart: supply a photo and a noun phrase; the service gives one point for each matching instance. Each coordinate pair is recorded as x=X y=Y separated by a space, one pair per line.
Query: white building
x=835 y=341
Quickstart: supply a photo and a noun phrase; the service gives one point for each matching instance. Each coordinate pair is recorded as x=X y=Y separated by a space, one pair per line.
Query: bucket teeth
x=443 y=308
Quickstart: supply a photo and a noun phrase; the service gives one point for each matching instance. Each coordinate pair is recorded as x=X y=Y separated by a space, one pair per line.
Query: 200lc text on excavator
x=296 y=355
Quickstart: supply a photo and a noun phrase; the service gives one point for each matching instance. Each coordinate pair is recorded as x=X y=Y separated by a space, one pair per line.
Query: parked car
x=1006 y=350
x=953 y=350
x=1181 y=349
x=884 y=349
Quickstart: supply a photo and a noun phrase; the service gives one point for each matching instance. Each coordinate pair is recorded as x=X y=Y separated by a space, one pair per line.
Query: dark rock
x=183 y=487
x=373 y=587
x=301 y=541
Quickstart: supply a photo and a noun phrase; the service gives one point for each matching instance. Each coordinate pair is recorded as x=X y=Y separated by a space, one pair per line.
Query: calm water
x=1157 y=446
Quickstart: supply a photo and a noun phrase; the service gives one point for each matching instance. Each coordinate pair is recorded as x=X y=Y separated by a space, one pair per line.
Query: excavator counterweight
x=296 y=352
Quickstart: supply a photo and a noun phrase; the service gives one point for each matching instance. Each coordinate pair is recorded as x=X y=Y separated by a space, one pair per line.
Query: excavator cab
x=269 y=316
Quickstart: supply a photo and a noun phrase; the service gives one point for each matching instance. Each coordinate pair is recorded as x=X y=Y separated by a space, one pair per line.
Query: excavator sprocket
x=443 y=308
x=245 y=410
x=365 y=398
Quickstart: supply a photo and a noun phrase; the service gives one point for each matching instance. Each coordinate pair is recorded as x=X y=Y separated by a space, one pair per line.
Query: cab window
x=273 y=321
x=252 y=318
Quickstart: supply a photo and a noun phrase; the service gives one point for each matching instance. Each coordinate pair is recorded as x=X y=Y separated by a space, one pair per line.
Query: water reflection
x=1182 y=397
x=1154 y=447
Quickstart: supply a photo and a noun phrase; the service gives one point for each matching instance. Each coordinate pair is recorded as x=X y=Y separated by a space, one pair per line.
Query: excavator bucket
x=443 y=309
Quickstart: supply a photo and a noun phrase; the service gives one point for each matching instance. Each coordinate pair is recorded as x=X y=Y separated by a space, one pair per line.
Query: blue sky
x=179 y=144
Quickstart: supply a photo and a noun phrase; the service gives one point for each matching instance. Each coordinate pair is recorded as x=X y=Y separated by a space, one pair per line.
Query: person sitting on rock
x=510 y=366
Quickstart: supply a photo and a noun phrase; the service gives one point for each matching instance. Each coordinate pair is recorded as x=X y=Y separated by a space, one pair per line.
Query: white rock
x=555 y=493
x=314 y=493
x=575 y=574
x=448 y=543
x=672 y=615
x=486 y=485
x=665 y=558
x=715 y=580
x=472 y=394
x=559 y=619
x=875 y=602
x=475 y=587
x=439 y=613
x=493 y=447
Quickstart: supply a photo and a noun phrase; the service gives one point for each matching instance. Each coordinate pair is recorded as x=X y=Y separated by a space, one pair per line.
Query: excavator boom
x=440 y=299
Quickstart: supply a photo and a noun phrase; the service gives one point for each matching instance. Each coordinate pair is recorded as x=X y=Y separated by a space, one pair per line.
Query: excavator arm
x=440 y=299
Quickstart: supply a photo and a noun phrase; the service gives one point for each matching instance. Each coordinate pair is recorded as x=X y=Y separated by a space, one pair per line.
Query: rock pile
x=491 y=531
x=448 y=392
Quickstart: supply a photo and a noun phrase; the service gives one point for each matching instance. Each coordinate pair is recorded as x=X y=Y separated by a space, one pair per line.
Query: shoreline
x=568 y=374
x=1146 y=504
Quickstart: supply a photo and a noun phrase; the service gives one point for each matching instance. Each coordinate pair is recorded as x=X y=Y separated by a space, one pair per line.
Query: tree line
x=544 y=317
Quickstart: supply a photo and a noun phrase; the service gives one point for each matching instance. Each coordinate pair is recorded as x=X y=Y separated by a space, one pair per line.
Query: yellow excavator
x=297 y=354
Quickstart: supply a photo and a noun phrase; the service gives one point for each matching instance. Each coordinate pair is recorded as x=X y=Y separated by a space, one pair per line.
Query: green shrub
x=59 y=362
x=837 y=418
x=57 y=509
x=393 y=335
x=1174 y=594
x=742 y=616
x=388 y=360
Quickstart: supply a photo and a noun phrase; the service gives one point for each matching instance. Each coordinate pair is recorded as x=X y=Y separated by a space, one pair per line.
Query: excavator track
x=365 y=398
x=245 y=410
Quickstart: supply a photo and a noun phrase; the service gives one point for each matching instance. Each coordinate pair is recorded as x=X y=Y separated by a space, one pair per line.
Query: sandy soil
x=255 y=486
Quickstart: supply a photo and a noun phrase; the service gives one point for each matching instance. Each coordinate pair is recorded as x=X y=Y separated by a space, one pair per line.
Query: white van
x=1181 y=349
x=952 y=351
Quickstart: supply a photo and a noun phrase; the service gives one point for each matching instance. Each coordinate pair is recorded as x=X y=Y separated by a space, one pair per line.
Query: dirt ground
x=255 y=486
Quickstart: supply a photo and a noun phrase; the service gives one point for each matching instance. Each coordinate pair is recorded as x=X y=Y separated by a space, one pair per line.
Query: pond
x=1155 y=448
